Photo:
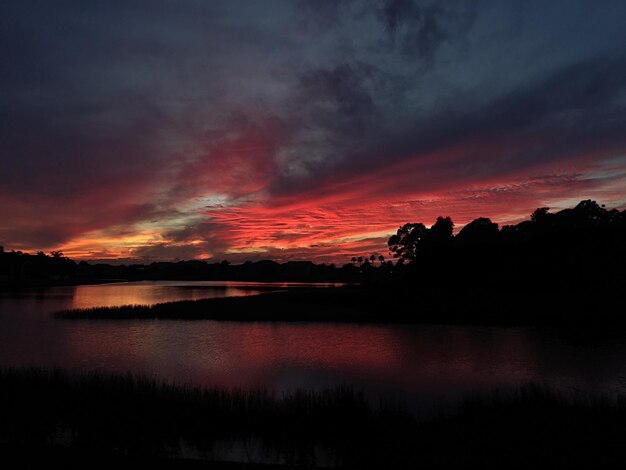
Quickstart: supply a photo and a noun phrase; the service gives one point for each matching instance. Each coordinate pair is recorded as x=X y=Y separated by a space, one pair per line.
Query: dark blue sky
x=299 y=129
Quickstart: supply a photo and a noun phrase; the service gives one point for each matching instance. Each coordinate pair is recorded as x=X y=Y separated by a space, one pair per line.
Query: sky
x=152 y=130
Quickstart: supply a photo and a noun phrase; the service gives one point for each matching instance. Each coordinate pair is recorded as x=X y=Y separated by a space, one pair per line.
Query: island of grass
x=381 y=304
x=55 y=414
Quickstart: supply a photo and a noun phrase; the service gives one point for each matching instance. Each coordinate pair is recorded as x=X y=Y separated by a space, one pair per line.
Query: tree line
x=573 y=255
x=587 y=222
x=581 y=243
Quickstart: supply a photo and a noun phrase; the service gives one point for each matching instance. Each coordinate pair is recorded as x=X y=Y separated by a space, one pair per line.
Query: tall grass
x=138 y=417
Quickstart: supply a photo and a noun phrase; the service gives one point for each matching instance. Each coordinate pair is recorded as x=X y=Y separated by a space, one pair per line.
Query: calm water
x=425 y=364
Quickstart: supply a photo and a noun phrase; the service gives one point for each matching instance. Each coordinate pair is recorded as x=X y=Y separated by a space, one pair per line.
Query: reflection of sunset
x=422 y=360
x=109 y=295
x=326 y=346
x=419 y=360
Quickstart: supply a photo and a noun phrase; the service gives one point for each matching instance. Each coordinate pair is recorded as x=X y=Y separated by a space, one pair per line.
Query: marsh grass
x=138 y=417
x=302 y=304
x=569 y=309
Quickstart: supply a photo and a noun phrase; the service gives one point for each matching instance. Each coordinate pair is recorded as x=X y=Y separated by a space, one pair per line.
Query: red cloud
x=343 y=216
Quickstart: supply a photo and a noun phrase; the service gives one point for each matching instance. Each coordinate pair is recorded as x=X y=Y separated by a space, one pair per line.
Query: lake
x=424 y=364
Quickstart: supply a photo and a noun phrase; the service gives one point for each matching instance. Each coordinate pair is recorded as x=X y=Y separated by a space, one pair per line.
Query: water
x=425 y=365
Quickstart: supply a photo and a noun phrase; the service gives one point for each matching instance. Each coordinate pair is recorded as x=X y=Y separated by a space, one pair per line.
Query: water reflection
x=427 y=363
x=147 y=294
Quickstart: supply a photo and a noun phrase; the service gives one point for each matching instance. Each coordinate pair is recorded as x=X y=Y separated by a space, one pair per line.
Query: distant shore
x=42 y=284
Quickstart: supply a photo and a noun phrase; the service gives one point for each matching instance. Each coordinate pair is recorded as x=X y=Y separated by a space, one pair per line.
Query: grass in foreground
x=135 y=417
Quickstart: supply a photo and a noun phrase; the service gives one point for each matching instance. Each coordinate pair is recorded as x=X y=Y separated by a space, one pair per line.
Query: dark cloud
x=166 y=251
x=321 y=15
x=417 y=28
x=573 y=111
x=342 y=87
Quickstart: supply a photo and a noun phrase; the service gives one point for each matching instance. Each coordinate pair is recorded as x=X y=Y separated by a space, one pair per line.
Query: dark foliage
x=565 y=268
x=481 y=231
x=17 y=267
x=583 y=248
x=587 y=225
x=99 y=416
x=408 y=241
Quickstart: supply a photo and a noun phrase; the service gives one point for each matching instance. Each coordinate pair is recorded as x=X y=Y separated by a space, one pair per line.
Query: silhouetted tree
x=478 y=231
x=407 y=241
x=440 y=234
x=590 y=208
x=539 y=215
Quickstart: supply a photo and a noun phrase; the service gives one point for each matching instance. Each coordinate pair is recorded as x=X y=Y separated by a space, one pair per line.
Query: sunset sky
x=312 y=129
